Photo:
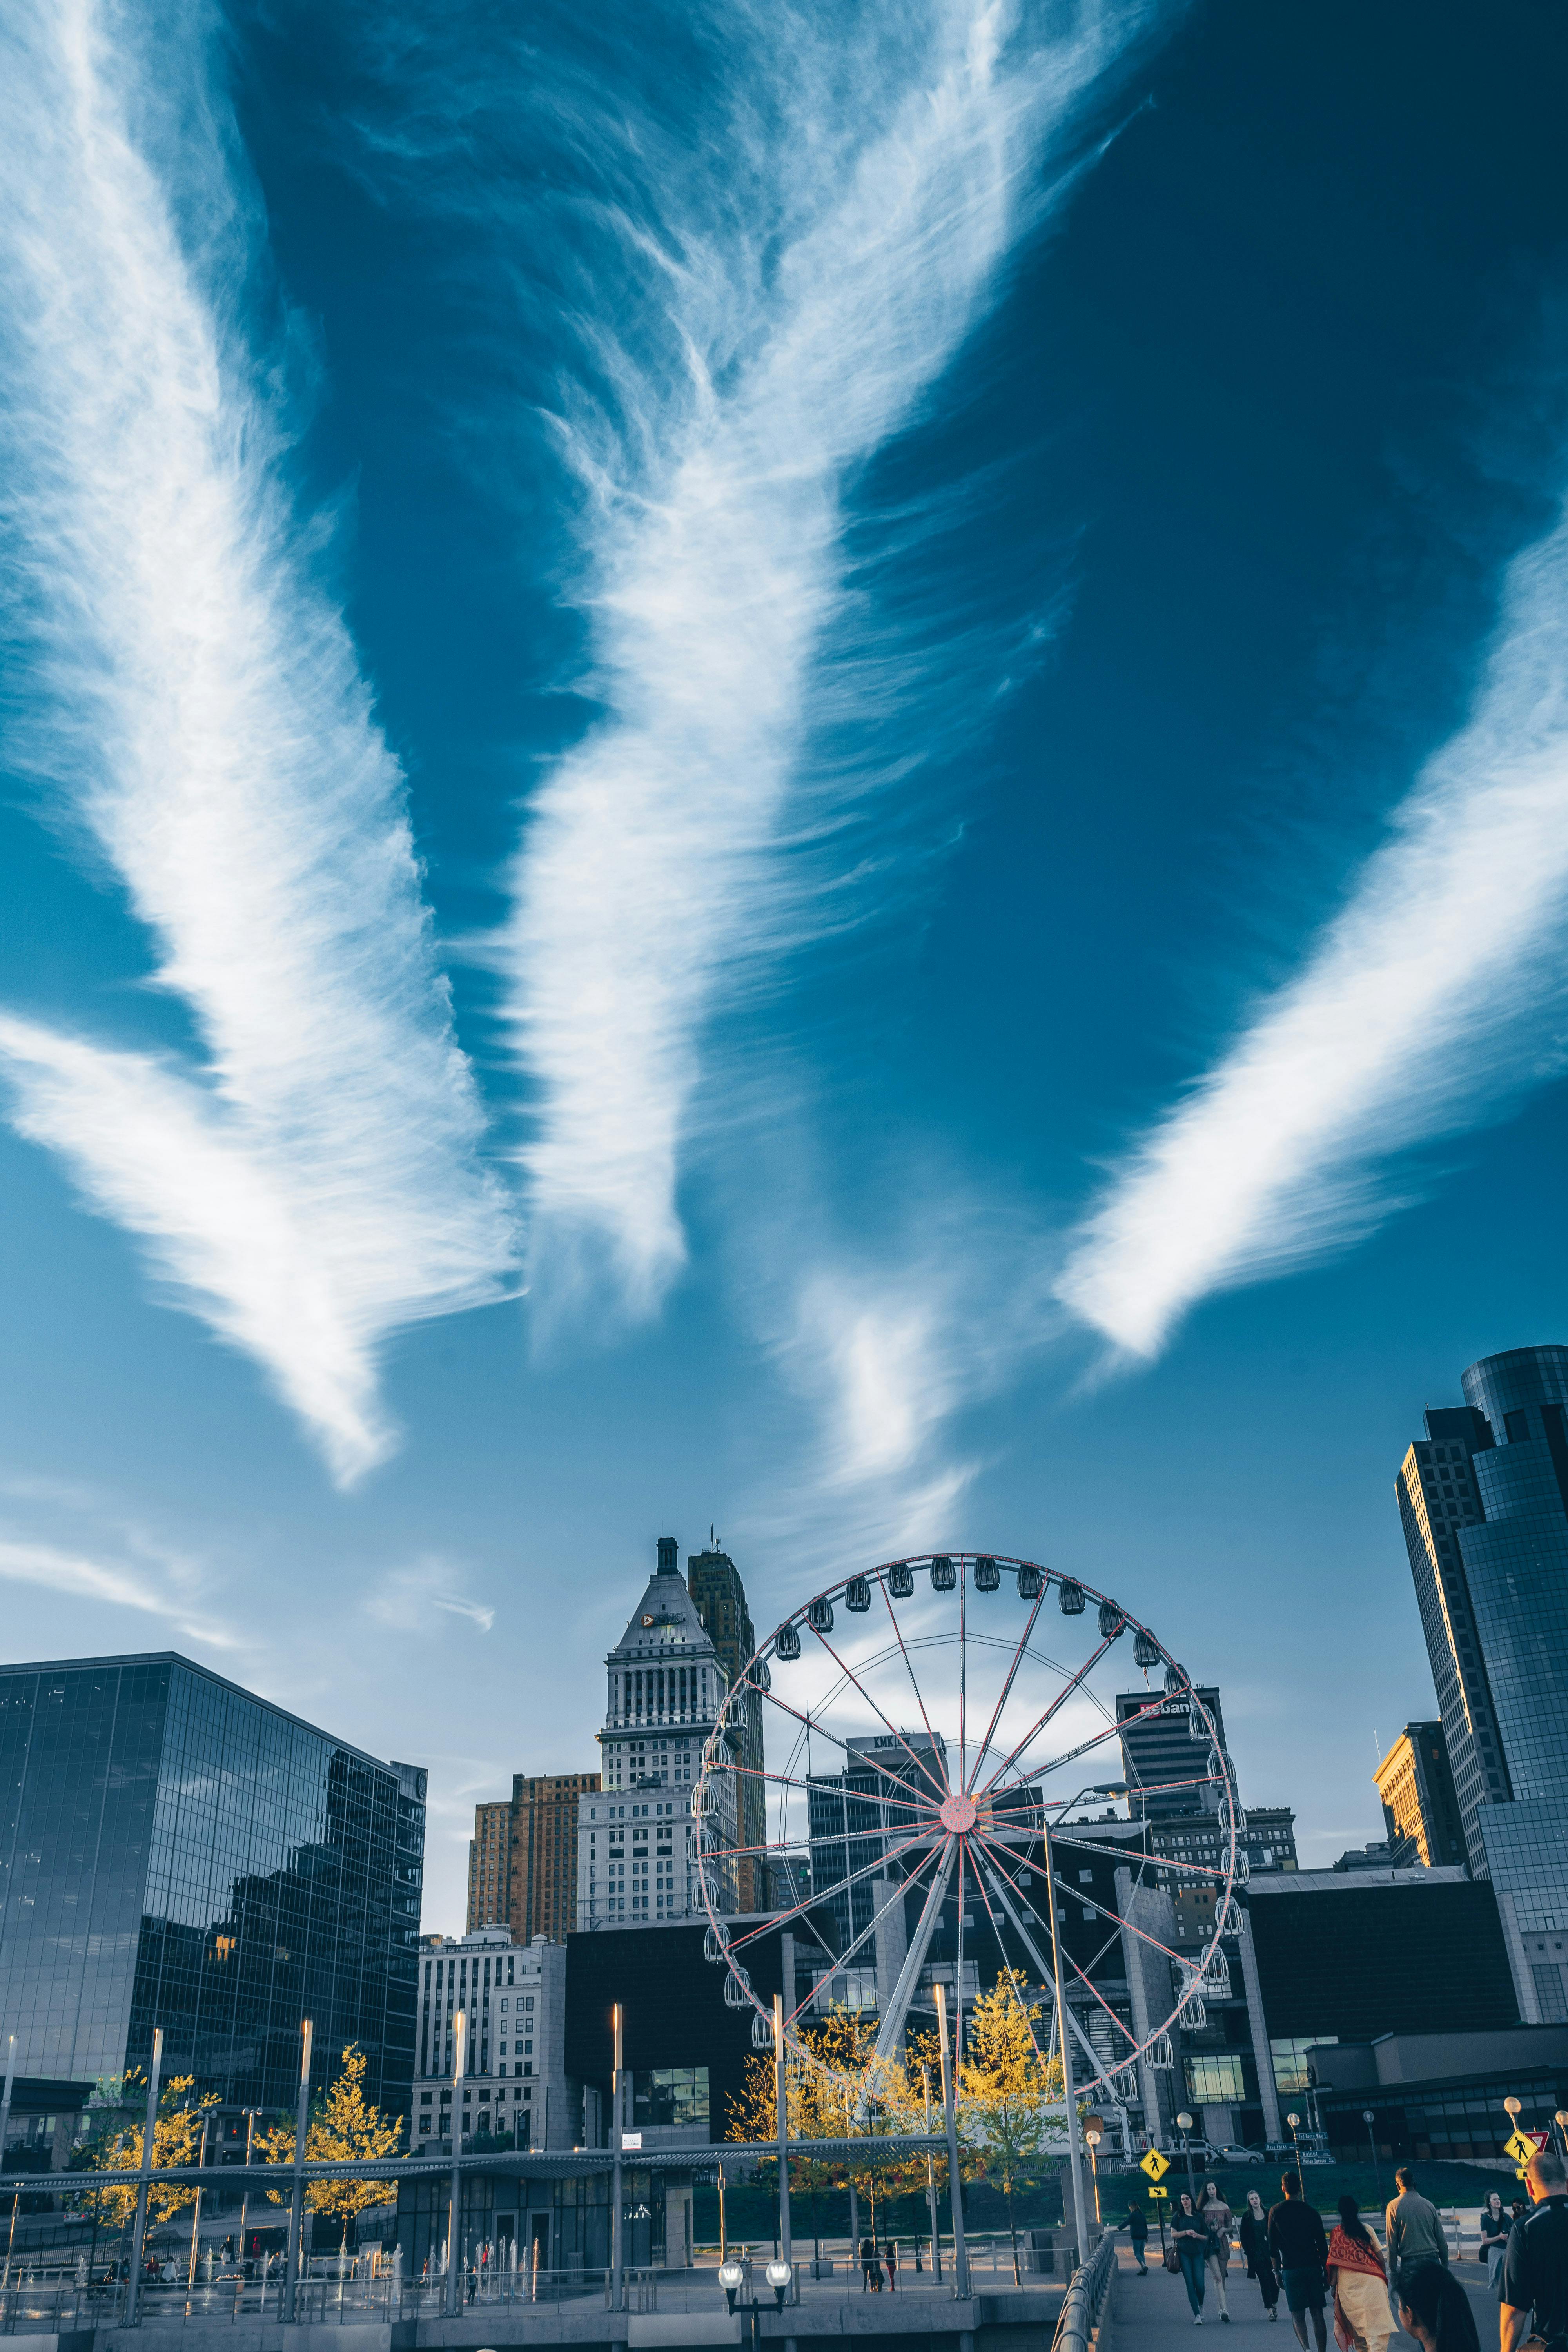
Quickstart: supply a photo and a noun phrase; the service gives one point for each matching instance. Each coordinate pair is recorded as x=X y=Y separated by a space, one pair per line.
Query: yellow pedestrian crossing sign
x=1521 y=2147
x=1156 y=2165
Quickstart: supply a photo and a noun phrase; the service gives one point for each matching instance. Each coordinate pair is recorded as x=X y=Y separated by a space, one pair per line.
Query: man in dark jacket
x=1301 y=2252
x=1534 y=2286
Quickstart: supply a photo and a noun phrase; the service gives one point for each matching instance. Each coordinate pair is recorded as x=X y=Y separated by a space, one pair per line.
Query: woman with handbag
x=1255 y=2246
x=1359 y=2279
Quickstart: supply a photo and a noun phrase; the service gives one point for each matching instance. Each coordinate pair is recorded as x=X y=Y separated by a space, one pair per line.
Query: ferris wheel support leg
x=891 y=2034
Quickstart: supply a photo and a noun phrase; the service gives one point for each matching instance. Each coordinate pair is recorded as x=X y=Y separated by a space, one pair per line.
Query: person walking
x=1435 y=2310
x=1138 y=2232
x=1495 y=2227
x=1359 y=2281
x=1412 y=2230
x=1299 y=2250
x=1218 y=2220
x=870 y=2272
x=1190 y=2240
x=1254 y=2236
x=892 y=2265
x=1534 y=2287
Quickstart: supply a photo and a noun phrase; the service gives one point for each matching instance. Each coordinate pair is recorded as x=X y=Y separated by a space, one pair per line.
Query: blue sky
x=773 y=770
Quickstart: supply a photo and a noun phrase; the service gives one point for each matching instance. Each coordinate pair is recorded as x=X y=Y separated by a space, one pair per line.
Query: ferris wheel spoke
x=780 y=1779
x=1059 y=2002
x=914 y=1685
x=861 y=1758
x=876 y=1863
x=869 y=1929
x=1028 y=2021
x=924 y=1769
x=1135 y=1853
x=1017 y=1660
x=1076 y=1895
x=1073 y=1683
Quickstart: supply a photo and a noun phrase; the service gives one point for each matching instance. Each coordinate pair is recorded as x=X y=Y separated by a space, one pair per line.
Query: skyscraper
x=714 y=1583
x=1420 y=1804
x=522 y=1857
x=1166 y=1752
x=1484 y=1503
x=665 y=1685
x=177 y=1852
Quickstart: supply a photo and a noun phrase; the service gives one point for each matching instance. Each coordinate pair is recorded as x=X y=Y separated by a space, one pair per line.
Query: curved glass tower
x=1484 y=1502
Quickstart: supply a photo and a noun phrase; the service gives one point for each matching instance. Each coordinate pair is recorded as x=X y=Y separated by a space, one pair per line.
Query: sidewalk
x=1152 y=2314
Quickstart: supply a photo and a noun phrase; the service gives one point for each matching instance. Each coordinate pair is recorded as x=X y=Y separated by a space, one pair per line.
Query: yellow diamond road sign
x=1156 y=2165
x=1520 y=2149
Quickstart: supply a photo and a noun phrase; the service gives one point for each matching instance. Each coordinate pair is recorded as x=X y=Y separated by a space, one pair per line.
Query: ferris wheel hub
x=958 y=1813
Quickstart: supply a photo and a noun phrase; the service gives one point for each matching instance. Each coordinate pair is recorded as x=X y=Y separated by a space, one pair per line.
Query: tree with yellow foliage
x=176 y=2140
x=827 y=2099
x=1004 y=2091
x=341 y=2129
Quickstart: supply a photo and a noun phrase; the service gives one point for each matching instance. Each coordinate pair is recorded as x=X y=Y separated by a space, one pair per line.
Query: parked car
x=1242 y=2155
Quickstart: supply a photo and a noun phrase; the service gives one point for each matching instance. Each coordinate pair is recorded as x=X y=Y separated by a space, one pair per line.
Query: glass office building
x=177 y=1852
x=1484 y=1502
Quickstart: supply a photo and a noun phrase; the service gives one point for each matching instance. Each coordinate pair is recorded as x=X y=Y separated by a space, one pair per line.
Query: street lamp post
x=1294 y=2122
x=1064 y=2045
x=955 y=2179
x=1184 y=2124
x=1093 y=2133
x=930 y=2184
x=1366 y=2116
x=732 y=2277
x=455 y=2194
x=296 y=2200
x=1561 y=2120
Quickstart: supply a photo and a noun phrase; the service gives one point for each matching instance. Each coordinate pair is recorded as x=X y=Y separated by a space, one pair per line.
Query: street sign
x=1154 y=2163
x=1159 y=2192
x=1521 y=2146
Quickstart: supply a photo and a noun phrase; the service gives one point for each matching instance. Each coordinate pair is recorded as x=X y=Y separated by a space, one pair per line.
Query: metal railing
x=1085 y=2299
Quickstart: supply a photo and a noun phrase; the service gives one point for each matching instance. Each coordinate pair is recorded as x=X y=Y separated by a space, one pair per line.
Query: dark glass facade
x=1484 y=1501
x=175 y=1851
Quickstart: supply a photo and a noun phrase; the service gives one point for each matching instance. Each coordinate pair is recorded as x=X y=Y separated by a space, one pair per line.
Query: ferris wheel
x=937 y=1735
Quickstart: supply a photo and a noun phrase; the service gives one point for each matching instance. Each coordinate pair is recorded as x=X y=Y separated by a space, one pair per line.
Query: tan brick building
x=523 y=1861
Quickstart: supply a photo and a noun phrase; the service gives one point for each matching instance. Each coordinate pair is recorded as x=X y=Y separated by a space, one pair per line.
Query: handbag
x=1173 y=2258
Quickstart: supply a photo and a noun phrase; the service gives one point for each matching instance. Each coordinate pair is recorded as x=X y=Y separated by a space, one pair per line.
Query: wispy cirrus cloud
x=1419 y=1008
x=407 y=1598
x=309 y=1178
x=812 y=279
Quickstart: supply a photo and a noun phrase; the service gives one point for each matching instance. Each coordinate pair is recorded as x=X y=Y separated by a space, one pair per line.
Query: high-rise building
x=522 y=1856
x=637 y=1840
x=1165 y=1750
x=1484 y=1502
x=489 y=1866
x=544 y=1809
x=514 y=1997
x=714 y=1583
x=1419 y=1805
x=177 y=1852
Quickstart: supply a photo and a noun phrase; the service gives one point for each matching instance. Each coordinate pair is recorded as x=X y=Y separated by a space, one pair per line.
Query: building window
x=671 y=2095
x=1214 y=2078
x=1290 y=2073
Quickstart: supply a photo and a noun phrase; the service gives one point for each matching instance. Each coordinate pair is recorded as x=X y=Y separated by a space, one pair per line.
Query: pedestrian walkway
x=1152 y=2314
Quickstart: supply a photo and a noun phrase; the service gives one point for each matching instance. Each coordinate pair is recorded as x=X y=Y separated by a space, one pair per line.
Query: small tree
x=1004 y=2089
x=176 y=2140
x=341 y=2129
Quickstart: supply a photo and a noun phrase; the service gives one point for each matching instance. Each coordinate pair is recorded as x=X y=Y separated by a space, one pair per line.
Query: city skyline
x=896 y=883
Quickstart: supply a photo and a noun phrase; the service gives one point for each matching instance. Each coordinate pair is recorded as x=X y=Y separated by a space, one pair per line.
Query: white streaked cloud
x=886 y=175
x=1431 y=999
x=407 y=1598
x=309 y=1178
x=109 y=1583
